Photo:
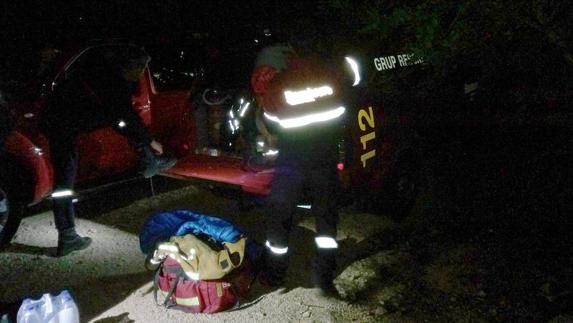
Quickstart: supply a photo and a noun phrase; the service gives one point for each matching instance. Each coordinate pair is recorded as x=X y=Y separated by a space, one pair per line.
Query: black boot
x=69 y=240
x=323 y=270
x=151 y=164
x=273 y=269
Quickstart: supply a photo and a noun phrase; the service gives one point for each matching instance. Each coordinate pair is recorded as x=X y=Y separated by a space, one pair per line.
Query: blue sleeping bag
x=162 y=226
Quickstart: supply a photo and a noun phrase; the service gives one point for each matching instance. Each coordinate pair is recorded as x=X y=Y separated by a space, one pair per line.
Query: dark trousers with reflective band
x=289 y=180
x=65 y=158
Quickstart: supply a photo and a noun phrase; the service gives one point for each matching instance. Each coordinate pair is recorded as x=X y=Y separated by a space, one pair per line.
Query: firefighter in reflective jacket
x=300 y=97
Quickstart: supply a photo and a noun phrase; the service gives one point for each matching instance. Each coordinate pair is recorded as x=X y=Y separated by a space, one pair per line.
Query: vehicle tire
x=17 y=191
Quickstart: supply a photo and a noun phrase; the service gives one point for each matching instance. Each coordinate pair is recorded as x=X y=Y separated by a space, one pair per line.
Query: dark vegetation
x=489 y=237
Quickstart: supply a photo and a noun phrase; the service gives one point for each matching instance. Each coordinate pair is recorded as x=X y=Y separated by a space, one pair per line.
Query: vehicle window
x=91 y=61
x=87 y=62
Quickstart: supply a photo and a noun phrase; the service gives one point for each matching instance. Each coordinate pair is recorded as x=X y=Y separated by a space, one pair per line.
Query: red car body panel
x=173 y=122
x=104 y=154
x=224 y=169
x=35 y=162
x=141 y=100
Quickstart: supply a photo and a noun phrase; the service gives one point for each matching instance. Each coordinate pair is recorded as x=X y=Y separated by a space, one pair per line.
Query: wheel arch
x=30 y=166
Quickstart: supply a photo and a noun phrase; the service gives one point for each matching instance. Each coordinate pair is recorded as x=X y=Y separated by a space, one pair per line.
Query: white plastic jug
x=67 y=309
x=49 y=309
x=30 y=311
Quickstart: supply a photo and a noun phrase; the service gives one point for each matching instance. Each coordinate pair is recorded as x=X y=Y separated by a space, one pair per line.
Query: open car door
x=229 y=147
x=378 y=149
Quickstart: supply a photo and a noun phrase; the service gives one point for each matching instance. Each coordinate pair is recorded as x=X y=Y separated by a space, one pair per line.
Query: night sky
x=60 y=21
x=29 y=25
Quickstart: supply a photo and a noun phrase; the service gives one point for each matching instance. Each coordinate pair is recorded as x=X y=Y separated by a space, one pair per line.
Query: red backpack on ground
x=202 y=264
x=201 y=276
x=200 y=296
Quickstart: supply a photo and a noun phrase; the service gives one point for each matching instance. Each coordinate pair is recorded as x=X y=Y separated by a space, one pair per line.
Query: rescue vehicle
x=217 y=137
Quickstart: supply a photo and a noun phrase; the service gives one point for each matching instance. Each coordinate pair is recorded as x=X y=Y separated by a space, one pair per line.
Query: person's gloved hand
x=157 y=147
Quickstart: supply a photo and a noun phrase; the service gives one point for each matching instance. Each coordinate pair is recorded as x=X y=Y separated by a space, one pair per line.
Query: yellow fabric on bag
x=199 y=260
x=191 y=301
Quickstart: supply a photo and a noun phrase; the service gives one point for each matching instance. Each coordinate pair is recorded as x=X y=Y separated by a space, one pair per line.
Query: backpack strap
x=233 y=281
x=156 y=284
x=240 y=306
x=167 y=302
x=236 y=251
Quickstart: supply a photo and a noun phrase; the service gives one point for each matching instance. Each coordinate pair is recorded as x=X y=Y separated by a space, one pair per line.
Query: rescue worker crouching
x=91 y=99
x=300 y=96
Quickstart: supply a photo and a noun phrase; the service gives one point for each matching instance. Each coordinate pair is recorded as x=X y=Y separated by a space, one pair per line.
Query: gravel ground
x=110 y=283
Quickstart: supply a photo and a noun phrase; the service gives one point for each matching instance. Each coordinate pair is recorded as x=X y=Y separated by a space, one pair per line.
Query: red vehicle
x=216 y=135
x=105 y=155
